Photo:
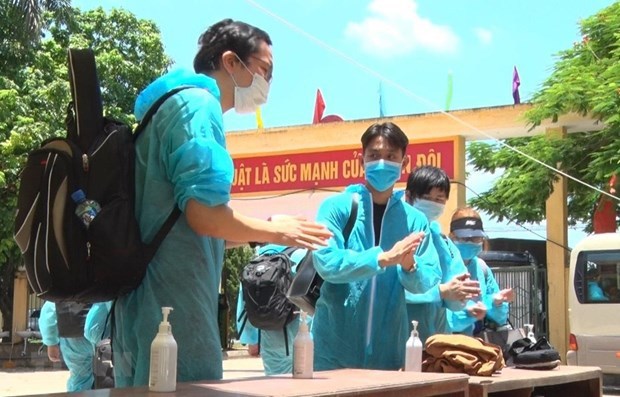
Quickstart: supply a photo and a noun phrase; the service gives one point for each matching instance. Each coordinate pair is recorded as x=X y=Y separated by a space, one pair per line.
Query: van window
x=597 y=277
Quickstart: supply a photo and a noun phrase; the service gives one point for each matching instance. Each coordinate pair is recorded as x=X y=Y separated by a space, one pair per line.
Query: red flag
x=319 y=108
x=604 y=218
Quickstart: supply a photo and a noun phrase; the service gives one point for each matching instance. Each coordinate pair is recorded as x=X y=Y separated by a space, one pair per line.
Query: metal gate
x=530 y=286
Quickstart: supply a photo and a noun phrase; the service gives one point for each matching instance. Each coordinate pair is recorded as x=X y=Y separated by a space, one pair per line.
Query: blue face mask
x=382 y=174
x=468 y=250
x=431 y=209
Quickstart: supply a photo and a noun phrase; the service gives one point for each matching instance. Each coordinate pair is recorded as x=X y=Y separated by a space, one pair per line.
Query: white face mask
x=247 y=99
x=431 y=209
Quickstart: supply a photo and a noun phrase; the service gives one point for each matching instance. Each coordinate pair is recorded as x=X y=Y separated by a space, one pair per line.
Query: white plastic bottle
x=413 y=355
x=303 y=350
x=530 y=332
x=85 y=209
x=163 y=369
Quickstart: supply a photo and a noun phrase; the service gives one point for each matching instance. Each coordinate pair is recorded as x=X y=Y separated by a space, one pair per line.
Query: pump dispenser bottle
x=413 y=355
x=530 y=332
x=303 y=350
x=163 y=369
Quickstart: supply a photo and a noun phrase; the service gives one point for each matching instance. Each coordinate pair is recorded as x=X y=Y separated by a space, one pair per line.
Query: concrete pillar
x=557 y=257
x=20 y=305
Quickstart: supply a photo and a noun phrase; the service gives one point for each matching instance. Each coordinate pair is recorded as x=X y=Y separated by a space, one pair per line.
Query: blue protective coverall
x=595 y=292
x=272 y=343
x=181 y=155
x=77 y=353
x=361 y=318
x=460 y=321
x=428 y=308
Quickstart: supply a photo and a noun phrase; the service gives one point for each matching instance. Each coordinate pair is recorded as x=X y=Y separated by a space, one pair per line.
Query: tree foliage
x=585 y=80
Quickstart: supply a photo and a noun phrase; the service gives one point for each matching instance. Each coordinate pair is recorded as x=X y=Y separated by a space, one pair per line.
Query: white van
x=594 y=305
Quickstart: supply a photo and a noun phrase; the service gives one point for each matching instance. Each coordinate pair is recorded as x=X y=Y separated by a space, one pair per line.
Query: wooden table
x=343 y=382
x=563 y=381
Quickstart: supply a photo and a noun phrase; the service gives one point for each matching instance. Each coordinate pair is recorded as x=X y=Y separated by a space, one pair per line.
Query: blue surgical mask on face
x=468 y=250
x=382 y=174
x=431 y=209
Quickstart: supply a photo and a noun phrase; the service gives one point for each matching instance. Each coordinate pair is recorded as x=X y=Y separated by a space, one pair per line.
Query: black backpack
x=65 y=260
x=265 y=281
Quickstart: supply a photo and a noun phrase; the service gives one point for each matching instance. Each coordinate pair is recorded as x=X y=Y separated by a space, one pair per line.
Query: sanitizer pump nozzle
x=303 y=350
x=413 y=355
x=163 y=368
x=530 y=332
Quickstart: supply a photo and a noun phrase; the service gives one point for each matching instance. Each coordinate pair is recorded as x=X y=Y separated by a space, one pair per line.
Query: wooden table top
x=343 y=382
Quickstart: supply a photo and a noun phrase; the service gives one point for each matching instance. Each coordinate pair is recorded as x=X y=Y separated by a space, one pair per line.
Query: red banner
x=330 y=168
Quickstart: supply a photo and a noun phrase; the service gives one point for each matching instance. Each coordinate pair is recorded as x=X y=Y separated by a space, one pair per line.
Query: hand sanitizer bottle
x=303 y=350
x=530 y=332
x=163 y=369
x=413 y=355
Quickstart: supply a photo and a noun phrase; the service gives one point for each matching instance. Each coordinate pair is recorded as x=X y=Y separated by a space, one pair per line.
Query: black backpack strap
x=86 y=104
x=154 y=108
x=286 y=340
x=152 y=247
x=348 y=228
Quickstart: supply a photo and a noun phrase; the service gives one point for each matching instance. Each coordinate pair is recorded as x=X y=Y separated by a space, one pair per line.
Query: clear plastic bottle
x=303 y=350
x=163 y=365
x=530 y=332
x=413 y=355
x=85 y=209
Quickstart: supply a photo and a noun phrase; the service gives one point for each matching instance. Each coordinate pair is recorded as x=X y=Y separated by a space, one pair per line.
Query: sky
x=348 y=48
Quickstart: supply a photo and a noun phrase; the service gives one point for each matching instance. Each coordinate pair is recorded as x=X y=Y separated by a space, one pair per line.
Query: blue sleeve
x=460 y=320
x=428 y=272
x=249 y=336
x=452 y=265
x=48 y=324
x=335 y=263
x=499 y=314
x=97 y=325
x=193 y=149
x=430 y=296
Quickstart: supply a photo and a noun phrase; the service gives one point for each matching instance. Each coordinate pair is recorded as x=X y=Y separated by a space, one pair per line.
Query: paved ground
x=22 y=381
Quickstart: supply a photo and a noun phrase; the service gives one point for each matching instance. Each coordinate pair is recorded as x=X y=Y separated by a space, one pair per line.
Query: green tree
x=585 y=80
x=234 y=262
x=30 y=16
x=34 y=96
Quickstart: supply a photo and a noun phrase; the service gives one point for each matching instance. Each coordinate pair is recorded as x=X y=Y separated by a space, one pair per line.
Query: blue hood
x=169 y=81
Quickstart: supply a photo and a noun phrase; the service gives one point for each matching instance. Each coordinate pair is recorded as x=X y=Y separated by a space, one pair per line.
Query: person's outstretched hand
x=296 y=231
x=505 y=295
x=460 y=288
x=402 y=252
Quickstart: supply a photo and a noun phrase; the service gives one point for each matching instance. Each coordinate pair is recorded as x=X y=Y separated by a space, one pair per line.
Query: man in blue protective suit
x=273 y=349
x=428 y=190
x=468 y=234
x=361 y=318
x=182 y=161
x=62 y=330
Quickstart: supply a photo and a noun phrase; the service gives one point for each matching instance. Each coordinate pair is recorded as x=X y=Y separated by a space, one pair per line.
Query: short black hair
x=390 y=131
x=423 y=179
x=227 y=35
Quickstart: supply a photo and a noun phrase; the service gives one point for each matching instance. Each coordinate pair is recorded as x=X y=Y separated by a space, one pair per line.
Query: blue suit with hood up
x=361 y=318
x=181 y=155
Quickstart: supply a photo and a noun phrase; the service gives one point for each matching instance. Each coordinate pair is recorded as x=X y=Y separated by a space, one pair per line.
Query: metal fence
x=34 y=311
x=530 y=303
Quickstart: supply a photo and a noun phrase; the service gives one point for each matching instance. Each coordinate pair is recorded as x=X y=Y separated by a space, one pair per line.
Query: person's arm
x=497 y=309
x=221 y=221
x=48 y=324
x=98 y=324
x=427 y=272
